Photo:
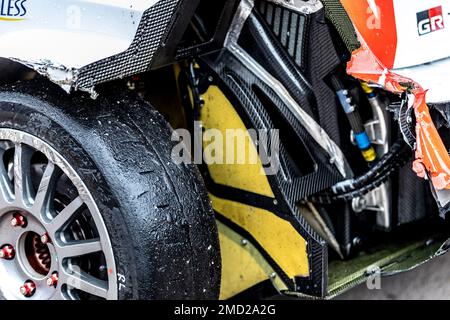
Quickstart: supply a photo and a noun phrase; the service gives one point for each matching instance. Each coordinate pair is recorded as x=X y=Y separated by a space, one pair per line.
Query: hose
x=391 y=162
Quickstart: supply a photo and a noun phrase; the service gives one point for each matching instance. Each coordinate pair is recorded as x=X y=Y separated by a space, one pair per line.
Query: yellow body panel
x=277 y=236
x=243 y=266
x=219 y=114
x=253 y=268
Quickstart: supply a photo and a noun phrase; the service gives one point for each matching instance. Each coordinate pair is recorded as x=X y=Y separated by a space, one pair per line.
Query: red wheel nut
x=7 y=252
x=18 y=220
x=53 y=280
x=28 y=289
x=45 y=238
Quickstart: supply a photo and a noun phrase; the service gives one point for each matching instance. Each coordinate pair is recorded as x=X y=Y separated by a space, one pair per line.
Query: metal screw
x=357 y=241
x=305 y=10
x=53 y=280
x=28 y=289
x=7 y=252
x=45 y=238
x=18 y=220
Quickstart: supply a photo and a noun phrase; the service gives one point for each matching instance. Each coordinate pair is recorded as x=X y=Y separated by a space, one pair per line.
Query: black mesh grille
x=138 y=56
x=414 y=197
x=289 y=27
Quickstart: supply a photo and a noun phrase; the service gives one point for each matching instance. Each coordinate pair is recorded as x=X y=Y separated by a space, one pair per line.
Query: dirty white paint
x=412 y=48
x=433 y=77
x=57 y=37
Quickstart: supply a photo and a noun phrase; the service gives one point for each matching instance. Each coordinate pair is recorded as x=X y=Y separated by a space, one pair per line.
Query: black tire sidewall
x=25 y=119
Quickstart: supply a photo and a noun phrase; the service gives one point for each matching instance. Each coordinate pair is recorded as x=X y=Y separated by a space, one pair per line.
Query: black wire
x=390 y=163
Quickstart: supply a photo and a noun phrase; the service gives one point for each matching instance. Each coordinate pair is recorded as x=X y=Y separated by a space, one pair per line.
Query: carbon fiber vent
x=288 y=26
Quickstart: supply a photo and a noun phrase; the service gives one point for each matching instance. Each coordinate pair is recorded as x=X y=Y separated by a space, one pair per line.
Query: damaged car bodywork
x=390 y=69
x=362 y=114
x=58 y=40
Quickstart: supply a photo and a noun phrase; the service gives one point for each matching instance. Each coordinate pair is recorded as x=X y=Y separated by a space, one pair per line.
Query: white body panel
x=424 y=58
x=414 y=49
x=434 y=77
x=58 y=37
x=71 y=33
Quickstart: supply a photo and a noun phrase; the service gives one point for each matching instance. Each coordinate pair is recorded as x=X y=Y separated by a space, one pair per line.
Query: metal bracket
x=378 y=201
x=301 y=6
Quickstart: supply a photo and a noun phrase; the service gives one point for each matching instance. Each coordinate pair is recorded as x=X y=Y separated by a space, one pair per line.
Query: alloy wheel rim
x=66 y=243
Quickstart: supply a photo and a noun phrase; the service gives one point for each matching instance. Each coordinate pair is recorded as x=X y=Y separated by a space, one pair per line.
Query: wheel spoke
x=5 y=185
x=80 y=248
x=66 y=215
x=87 y=283
x=46 y=190
x=22 y=176
x=59 y=294
x=6 y=145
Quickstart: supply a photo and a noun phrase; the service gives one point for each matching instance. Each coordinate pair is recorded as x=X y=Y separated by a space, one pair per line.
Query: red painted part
x=28 y=289
x=431 y=153
x=435 y=12
x=18 y=220
x=7 y=252
x=53 y=280
x=378 y=29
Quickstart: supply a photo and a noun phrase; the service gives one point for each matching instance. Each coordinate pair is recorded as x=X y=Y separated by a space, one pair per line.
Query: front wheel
x=92 y=206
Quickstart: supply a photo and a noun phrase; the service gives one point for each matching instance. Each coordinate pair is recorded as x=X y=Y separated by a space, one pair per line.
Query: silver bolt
x=45 y=239
x=362 y=202
x=14 y=222
x=306 y=10
x=18 y=221
x=357 y=241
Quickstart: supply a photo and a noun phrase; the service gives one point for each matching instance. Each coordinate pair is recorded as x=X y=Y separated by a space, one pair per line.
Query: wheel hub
x=52 y=236
x=37 y=253
x=31 y=262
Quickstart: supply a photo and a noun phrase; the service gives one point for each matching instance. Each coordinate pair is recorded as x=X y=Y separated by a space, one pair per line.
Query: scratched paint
x=431 y=155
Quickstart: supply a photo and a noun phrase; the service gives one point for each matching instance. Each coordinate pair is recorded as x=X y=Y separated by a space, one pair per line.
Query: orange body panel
x=377 y=26
x=431 y=153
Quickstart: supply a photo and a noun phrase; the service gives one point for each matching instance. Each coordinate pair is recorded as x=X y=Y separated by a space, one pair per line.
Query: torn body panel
x=432 y=158
x=389 y=31
x=79 y=44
